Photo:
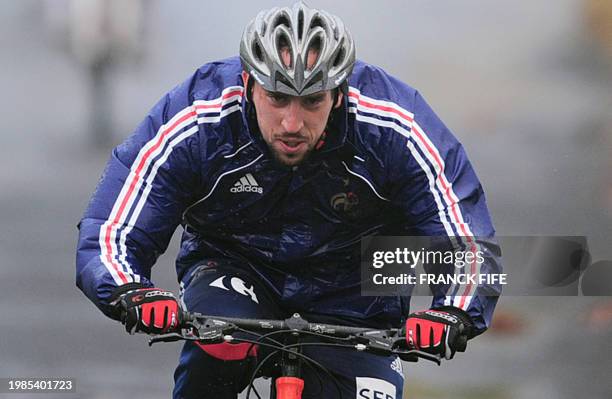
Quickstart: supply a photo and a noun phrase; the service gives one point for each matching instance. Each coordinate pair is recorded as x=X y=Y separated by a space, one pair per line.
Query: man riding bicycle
x=276 y=163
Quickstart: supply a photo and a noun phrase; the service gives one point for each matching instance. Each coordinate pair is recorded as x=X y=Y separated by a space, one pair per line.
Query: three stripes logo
x=246 y=184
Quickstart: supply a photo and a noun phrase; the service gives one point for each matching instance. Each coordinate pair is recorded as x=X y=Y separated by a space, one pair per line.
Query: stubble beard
x=289 y=160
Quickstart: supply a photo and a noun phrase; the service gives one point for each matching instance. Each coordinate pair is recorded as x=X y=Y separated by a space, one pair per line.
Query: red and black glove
x=439 y=331
x=149 y=310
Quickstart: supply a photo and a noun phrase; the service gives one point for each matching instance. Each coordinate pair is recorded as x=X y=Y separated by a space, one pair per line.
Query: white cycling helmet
x=297 y=30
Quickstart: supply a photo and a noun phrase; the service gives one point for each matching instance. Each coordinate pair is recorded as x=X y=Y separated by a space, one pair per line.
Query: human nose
x=293 y=120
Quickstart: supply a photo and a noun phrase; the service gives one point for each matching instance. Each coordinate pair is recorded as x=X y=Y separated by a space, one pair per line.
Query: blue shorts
x=222 y=371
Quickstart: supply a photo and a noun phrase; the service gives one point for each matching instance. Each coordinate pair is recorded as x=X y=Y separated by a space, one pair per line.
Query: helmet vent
x=314 y=48
x=300 y=28
x=282 y=20
x=316 y=22
x=339 y=57
x=257 y=52
x=280 y=78
x=316 y=44
x=283 y=45
x=316 y=79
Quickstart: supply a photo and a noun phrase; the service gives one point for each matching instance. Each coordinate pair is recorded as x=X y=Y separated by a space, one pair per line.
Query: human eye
x=277 y=98
x=313 y=101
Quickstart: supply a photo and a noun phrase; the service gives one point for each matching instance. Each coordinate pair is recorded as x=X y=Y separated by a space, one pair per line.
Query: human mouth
x=291 y=145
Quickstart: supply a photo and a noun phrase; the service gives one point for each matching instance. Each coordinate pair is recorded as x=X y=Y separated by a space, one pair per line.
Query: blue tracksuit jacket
x=388 y=166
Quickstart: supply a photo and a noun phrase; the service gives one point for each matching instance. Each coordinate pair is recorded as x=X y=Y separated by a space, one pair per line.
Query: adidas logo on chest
x=246 y=184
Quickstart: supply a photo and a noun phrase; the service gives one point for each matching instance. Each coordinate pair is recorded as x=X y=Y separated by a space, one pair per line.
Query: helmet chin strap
x=251 y=114
x=321 y=141
x=330 y=118
x=249 y=88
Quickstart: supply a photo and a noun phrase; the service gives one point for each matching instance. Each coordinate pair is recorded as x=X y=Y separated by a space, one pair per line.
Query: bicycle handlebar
x=215 y=329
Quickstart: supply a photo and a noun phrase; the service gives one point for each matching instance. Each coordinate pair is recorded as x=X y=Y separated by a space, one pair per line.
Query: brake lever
x=212 y=336
x=409 y=357
x=413 y=355
x=170 y=337
x=194 y=330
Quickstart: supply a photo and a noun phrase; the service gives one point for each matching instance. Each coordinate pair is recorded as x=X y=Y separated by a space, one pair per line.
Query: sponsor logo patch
x=237 y=285
x=246 y=184
x=344 y=202
x=442 y=315
x=374 y=388
x=396 y=365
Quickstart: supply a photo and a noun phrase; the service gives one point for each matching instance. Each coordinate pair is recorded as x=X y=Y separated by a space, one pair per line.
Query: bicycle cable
x=307 y=359
x=309 y=362
x=259 y=339
x=268 y=335
x=282 y=349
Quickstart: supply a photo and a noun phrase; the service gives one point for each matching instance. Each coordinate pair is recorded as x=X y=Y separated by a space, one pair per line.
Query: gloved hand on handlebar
x=442 y=331
x=149 y=310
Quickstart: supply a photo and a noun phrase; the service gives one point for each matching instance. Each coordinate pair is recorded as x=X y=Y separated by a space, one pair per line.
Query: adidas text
x=246 y=184
x=247 y=189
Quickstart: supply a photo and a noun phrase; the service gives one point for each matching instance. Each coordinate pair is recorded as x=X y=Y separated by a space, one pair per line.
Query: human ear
x=245 y=81
x=339 y=100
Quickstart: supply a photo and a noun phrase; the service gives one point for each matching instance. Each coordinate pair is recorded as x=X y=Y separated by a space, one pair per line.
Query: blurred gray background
x=525 y=85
